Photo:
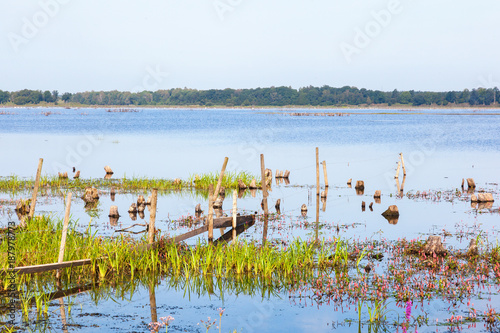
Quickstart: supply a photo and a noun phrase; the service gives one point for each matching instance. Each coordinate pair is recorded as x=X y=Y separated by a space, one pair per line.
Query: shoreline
x=282 y=108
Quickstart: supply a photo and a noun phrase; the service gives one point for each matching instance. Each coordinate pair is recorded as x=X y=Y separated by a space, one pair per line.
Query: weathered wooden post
x=235 y=208
x=219 y=182
x=264 y=195
x=403 y=163
x=35 y=191
x=152 y=217
x=324 y=172
x=210 y=213
x=397 y=170
x=64 y=233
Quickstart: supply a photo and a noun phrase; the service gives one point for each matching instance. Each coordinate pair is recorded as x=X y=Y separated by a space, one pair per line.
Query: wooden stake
x=235 y=198
x=210 y=213
x=264 y=183
x=397 y=170
x=35 y=190
x=324 y=172
x=317 y=171
x=317 y=219
x=152 y=216
x=64 y=233
x=403 y=163
x=221 y=176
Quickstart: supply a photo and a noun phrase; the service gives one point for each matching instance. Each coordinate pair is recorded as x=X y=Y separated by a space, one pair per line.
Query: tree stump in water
x=23 y=206
x=141 y=214
x=392 y=211
x=113 y=211
x=473 y=198
x=63 y=175
x=253 y=184
x=377 y=194
x=363 y=206
x=91 y=195
x=349 y=182
x=218 y=203
x=132 y=208
x=434 y=246
x=277 y=206
x=371 y=206
x=470 y=183
x=77 y=175
x=360 y=185
x=463 y=184
x=473 y=250
x=108 y=170
x=141 y=208
x=323 y=194
x=133 y=216
x=303 y=210
x=141 y=201
x=197 y=209
x=485 y=197
x=241 y=185
x=277 y=174
x=222 y=193
x=286 y=175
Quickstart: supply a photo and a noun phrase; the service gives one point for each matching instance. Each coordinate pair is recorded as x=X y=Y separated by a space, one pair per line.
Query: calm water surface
x=440 y=148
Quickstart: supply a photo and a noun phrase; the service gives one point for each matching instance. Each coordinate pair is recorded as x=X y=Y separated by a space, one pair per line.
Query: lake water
x=440 y=148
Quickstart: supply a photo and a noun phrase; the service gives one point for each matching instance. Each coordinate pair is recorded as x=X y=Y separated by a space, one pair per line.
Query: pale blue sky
x=81 y=45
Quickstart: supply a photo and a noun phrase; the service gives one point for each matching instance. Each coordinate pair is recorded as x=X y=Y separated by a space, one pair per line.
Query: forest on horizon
x=273 y=96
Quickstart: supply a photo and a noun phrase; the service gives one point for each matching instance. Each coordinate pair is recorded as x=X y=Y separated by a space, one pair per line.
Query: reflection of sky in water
x=439 y=151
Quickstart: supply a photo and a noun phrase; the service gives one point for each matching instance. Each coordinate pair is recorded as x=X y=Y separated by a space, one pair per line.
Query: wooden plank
x=229 y=235
x=50 y=267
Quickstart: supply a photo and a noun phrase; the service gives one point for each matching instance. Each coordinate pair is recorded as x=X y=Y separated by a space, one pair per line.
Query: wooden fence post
x=210 y=221
x=64 y=233
x=397 y=170
x=35 y=189
x=219 y=182
x=152 y=217
x=264 y=195
x=324 y=172
x=403 y=163
x=235 y=208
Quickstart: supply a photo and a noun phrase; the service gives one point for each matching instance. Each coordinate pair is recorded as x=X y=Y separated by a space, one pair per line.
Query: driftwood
x=434 y=246
x=485 y=197
x=108 y=170
x=113 y=211
x=77 y=175
x=377 y=194
x=253 y=184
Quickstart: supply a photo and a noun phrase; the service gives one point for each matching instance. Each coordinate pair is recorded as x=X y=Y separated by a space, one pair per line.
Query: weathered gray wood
x=64 y=233
x=35 y=190
x=152 y=217
x=50 y=267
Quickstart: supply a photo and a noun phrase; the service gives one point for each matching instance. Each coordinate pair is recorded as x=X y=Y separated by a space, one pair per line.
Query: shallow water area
x=440 y=147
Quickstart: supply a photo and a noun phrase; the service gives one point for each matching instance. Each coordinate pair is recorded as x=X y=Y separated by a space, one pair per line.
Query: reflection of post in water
x=324 y=196
x=63 y=315
x=264 y=195
x=235 y=209
x=402 y=185
x=152 y=303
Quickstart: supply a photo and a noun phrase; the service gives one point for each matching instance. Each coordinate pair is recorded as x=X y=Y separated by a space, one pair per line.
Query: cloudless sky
x=82 y=45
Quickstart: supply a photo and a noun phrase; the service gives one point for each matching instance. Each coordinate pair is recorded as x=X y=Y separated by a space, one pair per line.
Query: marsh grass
x=230 y=179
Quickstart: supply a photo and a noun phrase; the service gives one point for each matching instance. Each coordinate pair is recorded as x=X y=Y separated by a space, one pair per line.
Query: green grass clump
x=230 y=179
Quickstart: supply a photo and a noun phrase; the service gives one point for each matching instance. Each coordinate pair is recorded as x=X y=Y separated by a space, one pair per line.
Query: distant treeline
x=274 y=96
